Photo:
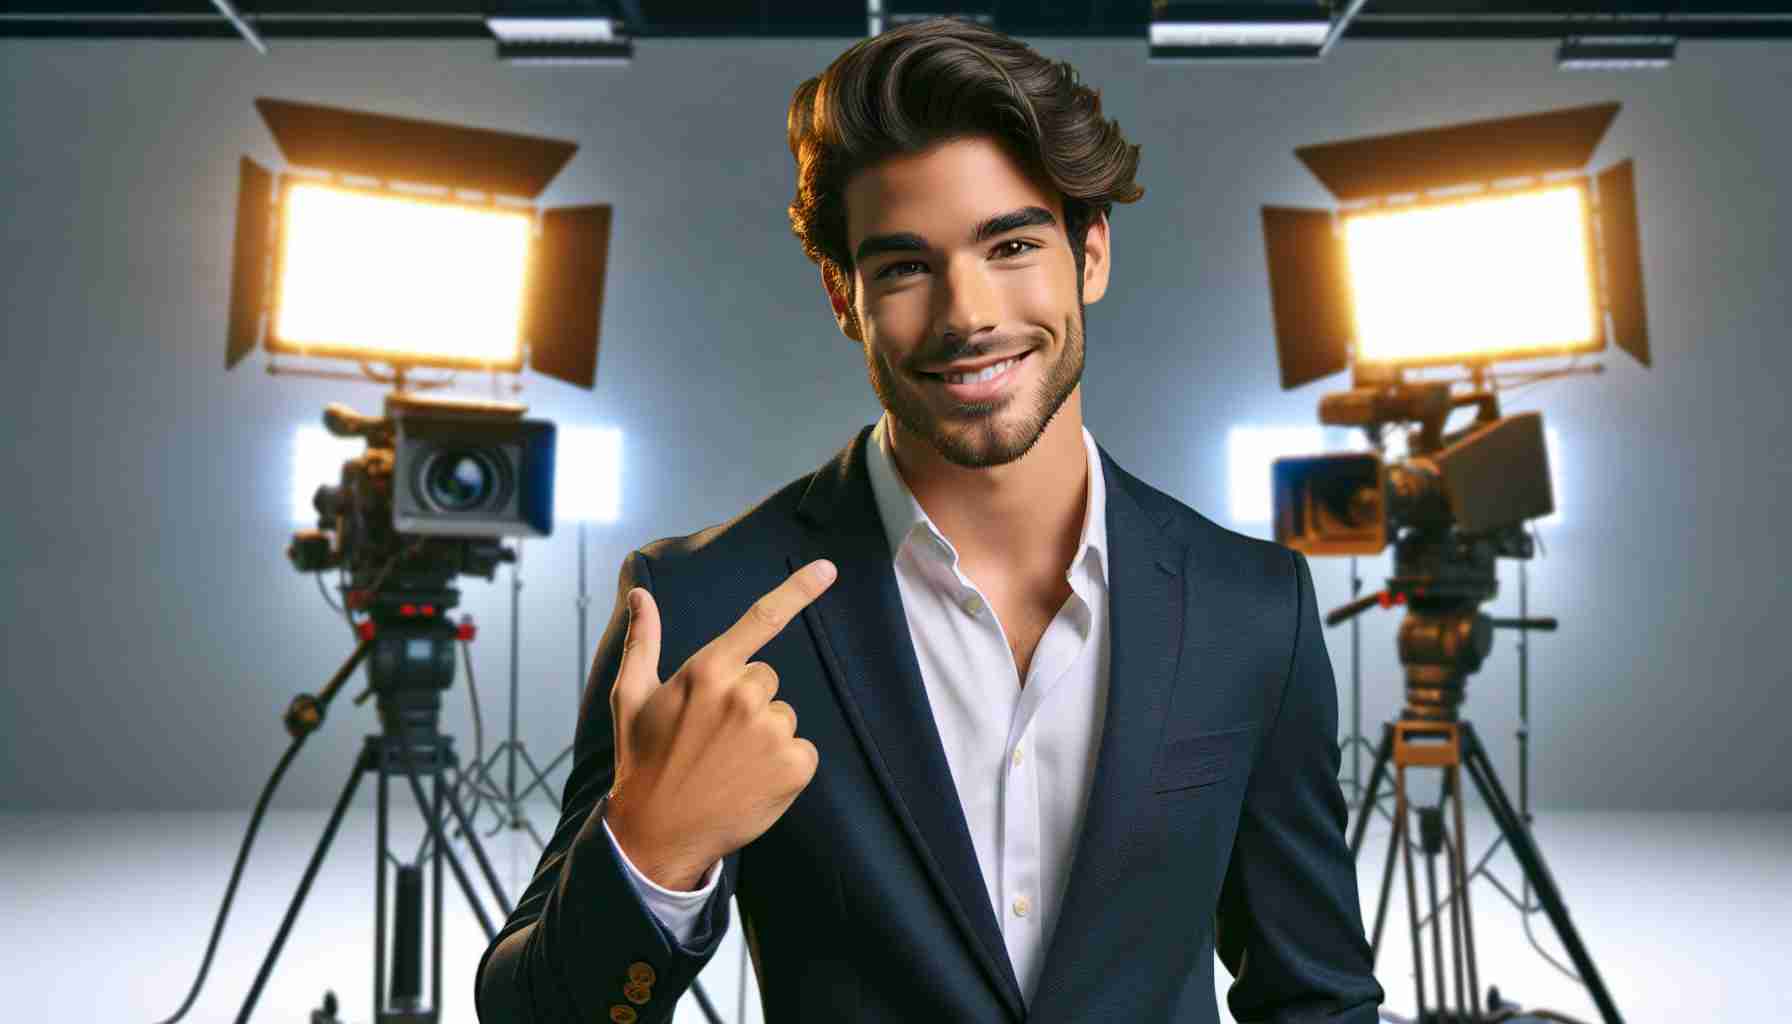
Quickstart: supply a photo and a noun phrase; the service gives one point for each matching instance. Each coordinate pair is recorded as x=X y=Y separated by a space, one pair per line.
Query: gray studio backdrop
x=154 y=631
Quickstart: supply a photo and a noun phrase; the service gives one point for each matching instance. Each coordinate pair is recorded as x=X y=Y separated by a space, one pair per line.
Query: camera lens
x=458 y=480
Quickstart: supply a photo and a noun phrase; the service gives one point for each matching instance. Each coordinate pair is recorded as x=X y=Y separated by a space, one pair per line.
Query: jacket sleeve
x=1288 y=924
x=680 y=912
x=581 y=941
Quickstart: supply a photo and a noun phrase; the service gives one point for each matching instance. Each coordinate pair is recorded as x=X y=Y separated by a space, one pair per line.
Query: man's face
x=957 y=297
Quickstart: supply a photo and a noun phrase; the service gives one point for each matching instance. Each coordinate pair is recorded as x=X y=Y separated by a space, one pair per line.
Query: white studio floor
x=1688 y=917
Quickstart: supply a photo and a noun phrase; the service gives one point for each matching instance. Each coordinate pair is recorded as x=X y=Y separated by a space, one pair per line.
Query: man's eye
x=886 y=272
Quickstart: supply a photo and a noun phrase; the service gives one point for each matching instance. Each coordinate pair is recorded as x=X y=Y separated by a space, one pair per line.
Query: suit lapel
x=1146 y=615
x=862 y=632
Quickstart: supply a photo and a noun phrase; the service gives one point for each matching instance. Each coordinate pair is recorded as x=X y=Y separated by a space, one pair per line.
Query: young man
x=1061 y=736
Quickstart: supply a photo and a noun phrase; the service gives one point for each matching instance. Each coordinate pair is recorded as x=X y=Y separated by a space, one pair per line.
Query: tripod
x=413 y=661
x=1443 y=640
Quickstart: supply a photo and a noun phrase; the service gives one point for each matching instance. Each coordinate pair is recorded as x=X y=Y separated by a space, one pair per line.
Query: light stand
x=509 y=801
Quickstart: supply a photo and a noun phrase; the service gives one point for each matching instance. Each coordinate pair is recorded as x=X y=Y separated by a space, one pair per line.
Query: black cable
x=462 y=778
x=236 y=874
x=255 y=819
x=466 y=651
x=319 y=577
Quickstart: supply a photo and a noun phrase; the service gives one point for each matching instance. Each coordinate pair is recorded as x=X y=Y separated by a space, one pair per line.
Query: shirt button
x=1020 y=906
x=973 y=604
x=1017 y=757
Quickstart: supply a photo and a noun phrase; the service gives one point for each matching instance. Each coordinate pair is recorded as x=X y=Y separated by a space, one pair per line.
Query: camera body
x=1482 y=481
x=441 y=483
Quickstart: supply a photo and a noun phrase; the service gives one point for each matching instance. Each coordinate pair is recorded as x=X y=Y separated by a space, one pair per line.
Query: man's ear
x=843 y=314
x=1097 y=259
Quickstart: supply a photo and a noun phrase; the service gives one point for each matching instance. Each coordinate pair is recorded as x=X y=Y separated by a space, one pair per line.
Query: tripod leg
x=1367 y=808
x=1387 y=888
x=1426 y=830
x=1531 y=858
x=379 y=886
x=1462 y=880
x=485 y=864
x=435 y=985
x=435 y=832
x=298 y=898
x=1465 y=999
x=1412 y=896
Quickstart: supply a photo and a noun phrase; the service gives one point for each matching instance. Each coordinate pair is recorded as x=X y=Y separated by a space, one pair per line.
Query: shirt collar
x=906 y=522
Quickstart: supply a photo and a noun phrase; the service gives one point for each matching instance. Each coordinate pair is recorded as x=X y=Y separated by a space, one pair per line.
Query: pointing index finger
x=770 y=614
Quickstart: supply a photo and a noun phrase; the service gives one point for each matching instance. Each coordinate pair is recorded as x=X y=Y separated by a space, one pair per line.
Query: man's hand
x=707 y=761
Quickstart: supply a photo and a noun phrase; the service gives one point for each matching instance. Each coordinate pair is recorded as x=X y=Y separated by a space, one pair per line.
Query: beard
x=994 y=433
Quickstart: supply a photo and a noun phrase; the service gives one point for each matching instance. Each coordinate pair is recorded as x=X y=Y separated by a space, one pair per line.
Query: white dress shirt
x=1022 y=758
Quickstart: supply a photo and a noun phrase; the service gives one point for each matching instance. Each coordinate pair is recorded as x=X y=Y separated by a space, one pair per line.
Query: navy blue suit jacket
x=1215 y=819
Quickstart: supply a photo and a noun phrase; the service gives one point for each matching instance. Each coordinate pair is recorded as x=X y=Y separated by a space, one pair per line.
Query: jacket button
x=637 y=993
x=641 y=973
x=622 y=1014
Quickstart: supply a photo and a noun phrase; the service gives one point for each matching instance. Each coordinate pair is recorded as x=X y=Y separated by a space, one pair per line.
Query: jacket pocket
x=1203 y=758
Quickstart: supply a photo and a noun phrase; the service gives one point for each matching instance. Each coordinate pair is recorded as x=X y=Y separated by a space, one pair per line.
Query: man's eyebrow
x=1001 y=223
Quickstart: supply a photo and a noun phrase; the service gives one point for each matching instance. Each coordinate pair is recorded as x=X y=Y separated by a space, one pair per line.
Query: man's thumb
x=638 y=675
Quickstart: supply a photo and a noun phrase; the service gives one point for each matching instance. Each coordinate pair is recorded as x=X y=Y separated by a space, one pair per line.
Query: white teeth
x=989 y=373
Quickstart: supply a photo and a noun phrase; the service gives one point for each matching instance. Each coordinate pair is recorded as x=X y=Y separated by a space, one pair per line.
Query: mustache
x=965 y=353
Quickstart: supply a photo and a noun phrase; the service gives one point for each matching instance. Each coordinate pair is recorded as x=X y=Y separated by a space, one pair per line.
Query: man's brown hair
x=907 y=89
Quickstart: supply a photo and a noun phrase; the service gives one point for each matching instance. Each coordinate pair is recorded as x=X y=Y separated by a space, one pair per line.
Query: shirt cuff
x=676 y=909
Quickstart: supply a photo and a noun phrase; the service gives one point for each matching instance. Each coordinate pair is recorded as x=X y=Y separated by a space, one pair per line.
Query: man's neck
x=1022 y=521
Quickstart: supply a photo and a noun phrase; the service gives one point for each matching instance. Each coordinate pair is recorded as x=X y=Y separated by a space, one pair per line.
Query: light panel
x=371 y=274
x=1238 y=33
x=1249 y=453
x=1502 y=276
x=552 y=30
x=587 y=475
x=317 y=458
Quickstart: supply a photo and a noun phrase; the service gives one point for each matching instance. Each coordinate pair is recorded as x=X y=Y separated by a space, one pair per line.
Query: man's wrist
x=663 y=868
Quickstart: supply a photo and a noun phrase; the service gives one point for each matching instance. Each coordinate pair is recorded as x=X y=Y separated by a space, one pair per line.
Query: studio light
x=414 y=243
x=317 y=455
x=543 y=39
x=589 y=475
x=1508 y=274
x=1465 y=244
x=1615 y=53
x=381 y=275
x=1249 y=31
